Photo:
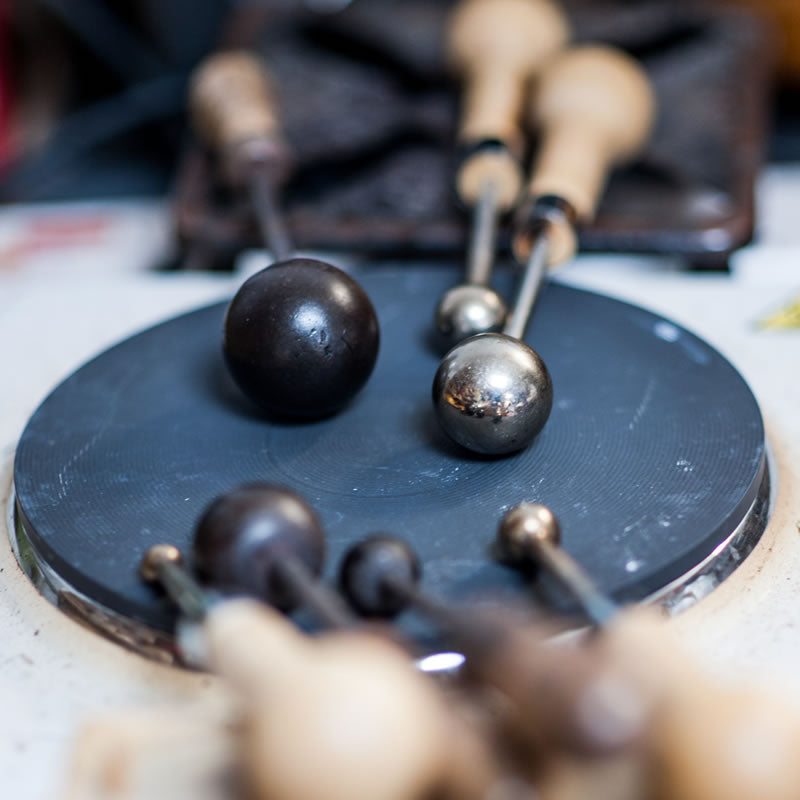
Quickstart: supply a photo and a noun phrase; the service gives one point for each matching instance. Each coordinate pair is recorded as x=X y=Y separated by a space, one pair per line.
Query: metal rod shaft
x=325 y=605
x=598 y=607
x=532 y=279
x=480 y=256
x=183 y=590
x=271 y=223
x=474 y=636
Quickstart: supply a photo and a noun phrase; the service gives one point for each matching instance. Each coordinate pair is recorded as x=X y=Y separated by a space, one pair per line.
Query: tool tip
x=156 y=556
x=525 y=529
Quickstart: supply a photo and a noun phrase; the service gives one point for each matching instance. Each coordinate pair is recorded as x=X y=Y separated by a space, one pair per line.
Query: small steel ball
x=367 y=572
x=492 y=394
x=523 y=529
x=244 y=534
x=468 y=310
x=301 y=338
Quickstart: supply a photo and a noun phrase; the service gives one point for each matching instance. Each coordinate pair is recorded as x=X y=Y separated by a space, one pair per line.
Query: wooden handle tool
x=546 y=686
x=707 y=740
x=497 y=47
x=233 y=106
x=344 y=716
x=718 y=743
x=234 y=111
x=594 y=107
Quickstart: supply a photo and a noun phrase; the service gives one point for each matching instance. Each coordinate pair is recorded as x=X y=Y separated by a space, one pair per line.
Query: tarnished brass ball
x=523 y=529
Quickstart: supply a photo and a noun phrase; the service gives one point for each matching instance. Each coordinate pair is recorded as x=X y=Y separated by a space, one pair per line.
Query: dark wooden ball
x=243 y=536
x=301 y=338
x=371 y=572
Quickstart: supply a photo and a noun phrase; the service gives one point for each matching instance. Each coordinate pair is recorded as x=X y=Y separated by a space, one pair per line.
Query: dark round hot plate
x=652 y=457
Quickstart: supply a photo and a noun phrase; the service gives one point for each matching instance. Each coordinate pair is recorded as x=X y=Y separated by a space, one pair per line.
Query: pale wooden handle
x=705 y=741
x=359 y=724
x=714 y=742
x=595 y=107
x=232 y=101
x=253 y=646
x=318 y=710
x=497 y=46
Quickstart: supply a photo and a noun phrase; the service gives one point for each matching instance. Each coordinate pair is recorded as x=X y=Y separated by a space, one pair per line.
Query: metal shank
x=325 y=605
x=484 y=230
x=599 y=608
x=271 y=224
x=182 y=589
x=532 y=280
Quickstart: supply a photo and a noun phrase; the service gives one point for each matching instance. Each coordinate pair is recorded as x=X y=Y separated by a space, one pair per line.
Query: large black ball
x=243 y=537
x=301 y=338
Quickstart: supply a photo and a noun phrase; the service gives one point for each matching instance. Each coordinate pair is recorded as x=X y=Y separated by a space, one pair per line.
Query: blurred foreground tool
x=702 y=741
x=339 y=701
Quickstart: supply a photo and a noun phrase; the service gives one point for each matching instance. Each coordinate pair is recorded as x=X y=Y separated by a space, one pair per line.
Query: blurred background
x=93 y=105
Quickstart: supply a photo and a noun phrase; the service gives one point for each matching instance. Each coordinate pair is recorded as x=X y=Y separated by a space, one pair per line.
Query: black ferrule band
x=547 y=207
x=535 y=216
x=466 y=150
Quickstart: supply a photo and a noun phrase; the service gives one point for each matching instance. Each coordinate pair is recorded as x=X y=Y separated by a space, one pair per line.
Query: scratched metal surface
x=651 y=457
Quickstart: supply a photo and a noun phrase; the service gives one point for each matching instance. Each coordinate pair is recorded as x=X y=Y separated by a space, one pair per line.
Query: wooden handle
x=706 y=741
x=232 y=102
x=595 y=107
x=497 y=46
x=343 y=716
x=253 y=646
x=715 y=742
x=359 y=725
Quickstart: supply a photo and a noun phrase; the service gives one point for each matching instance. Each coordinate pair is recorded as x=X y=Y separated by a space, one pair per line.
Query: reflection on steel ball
x=468 y=310
x=492 y=394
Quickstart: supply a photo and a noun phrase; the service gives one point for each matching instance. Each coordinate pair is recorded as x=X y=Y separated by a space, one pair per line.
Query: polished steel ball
x=524 y=529
x=466 y=311
x=492 y=394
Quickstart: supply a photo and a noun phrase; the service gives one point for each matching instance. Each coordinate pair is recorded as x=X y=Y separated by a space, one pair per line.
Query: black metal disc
x=651 y=458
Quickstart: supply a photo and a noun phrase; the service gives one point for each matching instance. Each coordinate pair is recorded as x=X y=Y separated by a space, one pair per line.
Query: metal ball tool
x=380 y=577
x=267 y=542
x=335 y=702
x=301 y=337
x=233 y=109
x=529 y=535
x=594 y=107
x=259 y=541
x=693 y=743
x=497 y=47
